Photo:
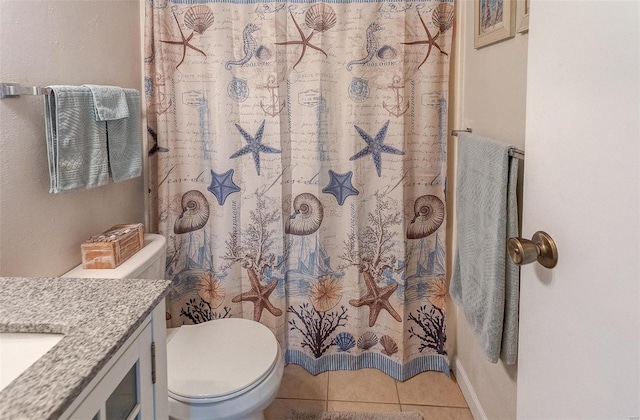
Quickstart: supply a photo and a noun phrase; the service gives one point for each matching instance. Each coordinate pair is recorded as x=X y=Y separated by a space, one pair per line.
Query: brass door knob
x=541 y=248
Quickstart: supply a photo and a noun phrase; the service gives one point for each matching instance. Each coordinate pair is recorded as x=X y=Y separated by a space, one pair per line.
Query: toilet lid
x=219 y=357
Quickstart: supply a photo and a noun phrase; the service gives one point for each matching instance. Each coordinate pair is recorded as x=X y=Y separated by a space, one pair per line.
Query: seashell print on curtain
x=297 y=167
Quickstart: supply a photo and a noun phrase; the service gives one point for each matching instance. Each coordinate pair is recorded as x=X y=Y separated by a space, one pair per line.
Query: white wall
x=490 y=93
x=59 y=42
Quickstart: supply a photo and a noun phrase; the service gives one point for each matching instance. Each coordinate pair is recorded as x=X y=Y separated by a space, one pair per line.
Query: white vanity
x=103 y=366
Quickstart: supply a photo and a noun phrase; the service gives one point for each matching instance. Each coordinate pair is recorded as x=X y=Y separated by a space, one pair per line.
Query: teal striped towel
x=485 y=283
x=76 y=142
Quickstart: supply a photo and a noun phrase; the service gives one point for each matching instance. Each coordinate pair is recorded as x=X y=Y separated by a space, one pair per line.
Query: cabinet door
x=126 y=390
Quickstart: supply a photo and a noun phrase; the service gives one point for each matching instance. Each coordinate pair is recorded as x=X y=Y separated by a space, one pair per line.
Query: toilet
x=224 y=369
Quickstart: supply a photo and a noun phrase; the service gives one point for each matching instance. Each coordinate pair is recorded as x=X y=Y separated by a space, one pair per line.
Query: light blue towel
x=110 y=102
x=485 y=283
x=124 y=138
x=76 y=142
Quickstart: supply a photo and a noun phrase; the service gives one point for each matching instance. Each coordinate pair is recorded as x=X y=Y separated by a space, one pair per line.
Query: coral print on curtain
x=297 y=158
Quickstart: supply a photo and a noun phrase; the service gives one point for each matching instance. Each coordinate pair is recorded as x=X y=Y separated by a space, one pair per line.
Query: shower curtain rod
x=513 y=152
x=14 y=90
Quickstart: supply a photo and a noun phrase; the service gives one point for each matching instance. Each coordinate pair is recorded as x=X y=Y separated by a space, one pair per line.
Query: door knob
x=541 y=248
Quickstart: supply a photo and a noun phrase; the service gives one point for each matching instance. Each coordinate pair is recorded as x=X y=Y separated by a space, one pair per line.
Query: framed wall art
x=522 y=15
x=494 y=21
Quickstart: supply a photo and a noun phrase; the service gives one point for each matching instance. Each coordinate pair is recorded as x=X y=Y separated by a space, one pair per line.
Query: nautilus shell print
x=198 y=18
x=307 y=215
x=195 y=212
x=429 y=215
x=320 y=17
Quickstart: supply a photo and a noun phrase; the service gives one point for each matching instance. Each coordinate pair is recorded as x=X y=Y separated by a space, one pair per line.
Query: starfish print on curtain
x=377 y=299
x=259 y=296
x=222 y=185
x=375 y=147
x=442 y=24
x=155 y=149
x=340 y=186
x=320 y=17
x=254 y=145
x=186 y=42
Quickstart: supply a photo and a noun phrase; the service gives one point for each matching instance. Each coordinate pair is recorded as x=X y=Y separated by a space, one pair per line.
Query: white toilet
x=225 y=369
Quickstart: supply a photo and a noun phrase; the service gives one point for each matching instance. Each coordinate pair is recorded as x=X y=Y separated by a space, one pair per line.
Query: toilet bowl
x=224 y=369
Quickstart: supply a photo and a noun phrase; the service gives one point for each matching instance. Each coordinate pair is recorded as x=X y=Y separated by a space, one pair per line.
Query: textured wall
x=59 y=42
x=490 y=94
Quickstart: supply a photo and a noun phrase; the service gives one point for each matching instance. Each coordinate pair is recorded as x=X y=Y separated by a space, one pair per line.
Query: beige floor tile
x=365 y=385
x=362 y=407
x=298 y=383
x=439 y=413
x=431 y=388
x=281 y=407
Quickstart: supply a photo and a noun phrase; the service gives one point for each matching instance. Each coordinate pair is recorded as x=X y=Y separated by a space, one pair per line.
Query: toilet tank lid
x=219 y=357
x=154 y=246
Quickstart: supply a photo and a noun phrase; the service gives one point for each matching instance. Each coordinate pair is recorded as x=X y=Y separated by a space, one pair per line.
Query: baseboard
x=469 y=393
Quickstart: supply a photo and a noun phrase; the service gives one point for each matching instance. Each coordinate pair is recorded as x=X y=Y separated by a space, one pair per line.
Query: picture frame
x=494 y=21
x=522 y=16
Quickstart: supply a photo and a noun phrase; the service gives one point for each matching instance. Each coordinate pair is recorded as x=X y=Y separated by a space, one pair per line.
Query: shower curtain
x=297 y=167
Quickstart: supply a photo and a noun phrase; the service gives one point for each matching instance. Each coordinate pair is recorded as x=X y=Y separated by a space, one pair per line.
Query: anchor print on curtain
x=297 y=167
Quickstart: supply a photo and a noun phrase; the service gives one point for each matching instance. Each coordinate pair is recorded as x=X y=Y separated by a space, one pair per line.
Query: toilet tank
x=148 y=263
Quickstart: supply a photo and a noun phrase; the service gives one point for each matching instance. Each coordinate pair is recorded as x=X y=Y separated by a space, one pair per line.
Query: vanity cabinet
x=133 y=384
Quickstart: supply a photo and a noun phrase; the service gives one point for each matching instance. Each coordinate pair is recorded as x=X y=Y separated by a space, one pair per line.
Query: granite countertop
x=96 y=317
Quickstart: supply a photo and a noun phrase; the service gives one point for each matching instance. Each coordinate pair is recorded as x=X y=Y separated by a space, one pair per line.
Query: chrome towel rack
x=513 y=152
x=15 y=90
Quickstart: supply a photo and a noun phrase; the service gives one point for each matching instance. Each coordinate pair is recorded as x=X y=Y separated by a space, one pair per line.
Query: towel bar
x=513 y=152
x=456 y=132
x=14 y=90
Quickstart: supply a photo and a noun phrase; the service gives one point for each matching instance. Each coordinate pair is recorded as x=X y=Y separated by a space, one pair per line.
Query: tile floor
x=432 y=394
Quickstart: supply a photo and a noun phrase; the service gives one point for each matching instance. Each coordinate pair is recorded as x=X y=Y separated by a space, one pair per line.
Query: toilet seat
x=219 y=359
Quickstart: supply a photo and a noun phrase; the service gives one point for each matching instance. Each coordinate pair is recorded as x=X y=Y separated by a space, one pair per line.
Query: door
x=579 y=322
x=125 y=390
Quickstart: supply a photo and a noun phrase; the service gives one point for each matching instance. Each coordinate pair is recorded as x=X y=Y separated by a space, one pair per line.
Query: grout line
x=363 y=402
x=374 y=402
x=398 y=393
x=437 y=406
x=396 y=405
x=327 y=402
x=366 y=402
x=328 y=379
